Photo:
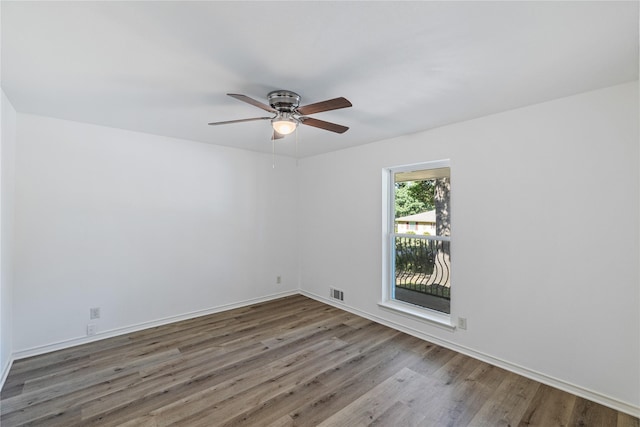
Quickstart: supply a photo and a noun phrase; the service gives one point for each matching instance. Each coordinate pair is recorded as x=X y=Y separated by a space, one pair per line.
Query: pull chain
x=296 y=147
x=273 y=152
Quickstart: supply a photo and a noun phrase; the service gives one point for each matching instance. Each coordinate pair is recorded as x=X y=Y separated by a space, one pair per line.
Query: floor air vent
x=336 y=294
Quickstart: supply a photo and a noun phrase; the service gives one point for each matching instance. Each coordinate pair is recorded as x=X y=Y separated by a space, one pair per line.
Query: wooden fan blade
x=252 y=101
x=331 y=104
x=276 y=135
x=240 y=121
x=323 y=125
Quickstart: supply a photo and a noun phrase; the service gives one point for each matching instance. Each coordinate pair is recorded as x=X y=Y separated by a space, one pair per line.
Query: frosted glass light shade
x=284 y=126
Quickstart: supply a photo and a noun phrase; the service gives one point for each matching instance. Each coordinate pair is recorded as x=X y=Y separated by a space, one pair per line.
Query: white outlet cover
x=91 y=329
x=462 y=322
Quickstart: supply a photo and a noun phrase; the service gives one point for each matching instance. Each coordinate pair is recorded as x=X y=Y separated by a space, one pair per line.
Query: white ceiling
x=165 y=67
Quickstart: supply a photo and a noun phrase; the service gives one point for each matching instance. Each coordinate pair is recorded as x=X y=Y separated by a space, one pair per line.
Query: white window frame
x=387 y=301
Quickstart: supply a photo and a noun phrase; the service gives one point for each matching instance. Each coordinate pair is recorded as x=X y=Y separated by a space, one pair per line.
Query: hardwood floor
x=288 y=362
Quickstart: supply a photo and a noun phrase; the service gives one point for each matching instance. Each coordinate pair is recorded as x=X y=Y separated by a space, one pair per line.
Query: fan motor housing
x=284 y=100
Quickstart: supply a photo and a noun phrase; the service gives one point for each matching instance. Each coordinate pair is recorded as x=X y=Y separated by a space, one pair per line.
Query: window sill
x=429 y=316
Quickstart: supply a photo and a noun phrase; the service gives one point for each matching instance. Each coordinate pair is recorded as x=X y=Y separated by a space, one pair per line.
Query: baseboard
x=5 y=371
x=60 y=345
x=594 y=396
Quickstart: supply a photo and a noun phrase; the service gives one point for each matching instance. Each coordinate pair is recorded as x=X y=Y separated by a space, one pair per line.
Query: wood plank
x=265 y=395
x=469 y=395
x=353 y=378
x=89 y=374
x=508 y=403
x=282 y=370
x=626 y=420
x=587 y=413
x=153 y=398
x=445 y=402
x=288 y=362
x=373 y=404
x=283 y=403
x=284 y=421
x=549 y=406
x=399 y=415
x=41 y=407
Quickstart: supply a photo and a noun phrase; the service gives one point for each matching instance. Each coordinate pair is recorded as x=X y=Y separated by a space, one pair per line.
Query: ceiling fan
x=288 y=114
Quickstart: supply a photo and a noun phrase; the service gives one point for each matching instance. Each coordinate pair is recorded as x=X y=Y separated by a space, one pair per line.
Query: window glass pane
x=422 y=263
x=423 y=203
x=422 y=273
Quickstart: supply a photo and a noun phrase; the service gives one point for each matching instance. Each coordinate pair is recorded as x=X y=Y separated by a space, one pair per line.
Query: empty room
x=319 y=213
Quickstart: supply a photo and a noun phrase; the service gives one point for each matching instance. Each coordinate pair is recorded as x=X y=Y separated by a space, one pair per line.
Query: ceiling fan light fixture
x=287 y=114
x=284 y=125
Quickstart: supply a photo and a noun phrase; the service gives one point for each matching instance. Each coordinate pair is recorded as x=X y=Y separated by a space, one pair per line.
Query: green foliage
x=413 y=197
x=423 y=191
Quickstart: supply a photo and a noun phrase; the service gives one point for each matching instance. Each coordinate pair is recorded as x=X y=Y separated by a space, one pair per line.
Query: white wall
x=7 y=162
x=144 y=227
x=561 y=305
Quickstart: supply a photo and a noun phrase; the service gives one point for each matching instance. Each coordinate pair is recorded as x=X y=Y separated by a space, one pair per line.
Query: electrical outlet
x=94 y=313
x=91 y=329
x=462 y=322
x=279 y=280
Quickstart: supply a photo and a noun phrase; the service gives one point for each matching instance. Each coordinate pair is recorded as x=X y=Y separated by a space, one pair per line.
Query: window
x=418 y=265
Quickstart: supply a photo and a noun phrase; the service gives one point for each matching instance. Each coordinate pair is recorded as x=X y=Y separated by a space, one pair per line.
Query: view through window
x=421 y=247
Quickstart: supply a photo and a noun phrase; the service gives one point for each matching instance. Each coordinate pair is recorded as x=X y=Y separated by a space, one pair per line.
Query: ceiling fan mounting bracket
x=284 y=100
